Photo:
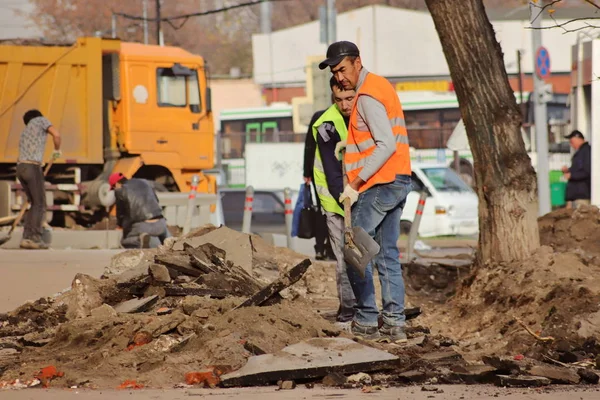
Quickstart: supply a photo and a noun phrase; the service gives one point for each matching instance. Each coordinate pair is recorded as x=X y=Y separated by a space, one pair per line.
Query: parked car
x=268 y=210
x=451 y=205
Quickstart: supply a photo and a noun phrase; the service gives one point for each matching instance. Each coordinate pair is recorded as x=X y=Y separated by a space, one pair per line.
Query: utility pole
x=145 y=15
x=520 y=72
x=331 y=22
x=159 y=34
x=540 y=113
x=265 y=16
x=114 y=26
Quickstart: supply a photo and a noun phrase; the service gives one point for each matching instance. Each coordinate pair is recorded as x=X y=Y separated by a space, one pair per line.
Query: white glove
x=349 y=193
x=56 y=154
x=341 y=145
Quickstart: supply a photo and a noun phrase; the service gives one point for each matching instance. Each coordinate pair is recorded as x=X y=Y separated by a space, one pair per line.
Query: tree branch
x=565 y=23
x=542 y=8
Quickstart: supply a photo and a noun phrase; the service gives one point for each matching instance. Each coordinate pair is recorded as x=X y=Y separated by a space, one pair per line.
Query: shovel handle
x=347 y=205
x=24 y=207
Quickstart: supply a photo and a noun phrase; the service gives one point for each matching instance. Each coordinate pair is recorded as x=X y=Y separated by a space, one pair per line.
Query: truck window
x=194 y=93
x=171 y=88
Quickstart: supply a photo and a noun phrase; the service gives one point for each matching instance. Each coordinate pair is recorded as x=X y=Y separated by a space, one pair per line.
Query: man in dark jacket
x=323 y=249
x=579 y=176
x=138 y=212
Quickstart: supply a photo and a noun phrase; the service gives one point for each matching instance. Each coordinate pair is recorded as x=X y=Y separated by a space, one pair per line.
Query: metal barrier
x=289 y=216
x=190 y=206
x=247 y=219
x=175 y=209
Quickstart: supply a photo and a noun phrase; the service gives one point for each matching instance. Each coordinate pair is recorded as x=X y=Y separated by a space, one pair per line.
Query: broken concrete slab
x=442 y=356
x=313 y=358
x=178 y=263
x=334 y=379
x=166 y=323
x=413 y=376
x=236 y=245
x=471 y=374
x=136 y=305
x=504 y=365
x=104 y=311
x=555 y=374
x=159 y=273
x=588 y=376
x=286 y=280
x=522 y=381
x=174 y=290
x=84 y=296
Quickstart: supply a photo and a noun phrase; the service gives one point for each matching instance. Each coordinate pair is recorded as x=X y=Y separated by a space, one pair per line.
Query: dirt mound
x=569 y=230
x=554 y=294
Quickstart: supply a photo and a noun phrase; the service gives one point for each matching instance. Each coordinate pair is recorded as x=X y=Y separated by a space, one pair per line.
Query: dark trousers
x=32 y=179
x=157 y=230
x=322 y=244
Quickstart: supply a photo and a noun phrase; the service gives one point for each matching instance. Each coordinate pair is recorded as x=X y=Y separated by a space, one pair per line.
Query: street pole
x=520 y=72
x=114 y=26
x=265 y=17
x=331 y=22
x=540 y=113
x=159 y=37
x=145 y=15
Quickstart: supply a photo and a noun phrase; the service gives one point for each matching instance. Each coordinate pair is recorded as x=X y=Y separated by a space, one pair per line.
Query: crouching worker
x=138 y=213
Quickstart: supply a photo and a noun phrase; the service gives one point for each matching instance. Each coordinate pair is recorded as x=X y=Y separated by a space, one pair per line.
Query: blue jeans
x=378 y=211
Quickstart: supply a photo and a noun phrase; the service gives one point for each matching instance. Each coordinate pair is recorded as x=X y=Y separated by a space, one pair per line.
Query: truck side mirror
x=208 y=100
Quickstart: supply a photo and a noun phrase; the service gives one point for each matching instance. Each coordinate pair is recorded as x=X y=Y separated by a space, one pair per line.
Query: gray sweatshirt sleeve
x=374 y=114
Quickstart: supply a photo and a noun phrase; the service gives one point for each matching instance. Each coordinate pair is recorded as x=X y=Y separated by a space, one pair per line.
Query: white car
x=451 y=207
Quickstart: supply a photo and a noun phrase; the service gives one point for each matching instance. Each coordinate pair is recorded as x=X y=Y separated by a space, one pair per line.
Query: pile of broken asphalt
x=221 y=308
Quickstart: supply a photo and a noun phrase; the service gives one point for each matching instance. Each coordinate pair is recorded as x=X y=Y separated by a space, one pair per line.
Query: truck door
x=180 y=117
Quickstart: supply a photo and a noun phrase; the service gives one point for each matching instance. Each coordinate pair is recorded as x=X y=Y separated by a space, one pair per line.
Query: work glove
x=341 y=145
x=349 y=193
x=56 y=154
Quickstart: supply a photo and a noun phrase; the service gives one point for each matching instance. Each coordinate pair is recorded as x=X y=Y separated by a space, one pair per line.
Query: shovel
x=19 y=217
x=359 y=246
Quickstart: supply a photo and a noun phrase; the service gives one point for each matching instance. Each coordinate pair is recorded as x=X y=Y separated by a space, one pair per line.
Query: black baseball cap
x=337 y=52
x=576 y=134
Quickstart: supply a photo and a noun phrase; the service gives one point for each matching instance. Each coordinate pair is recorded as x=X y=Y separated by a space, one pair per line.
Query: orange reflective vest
x=360 y=143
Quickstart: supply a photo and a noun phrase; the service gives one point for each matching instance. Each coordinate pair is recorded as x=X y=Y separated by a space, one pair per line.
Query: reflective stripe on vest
x=360 y=142
x=331 y=115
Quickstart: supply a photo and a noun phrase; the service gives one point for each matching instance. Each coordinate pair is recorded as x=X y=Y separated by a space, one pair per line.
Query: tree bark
x=505 y=179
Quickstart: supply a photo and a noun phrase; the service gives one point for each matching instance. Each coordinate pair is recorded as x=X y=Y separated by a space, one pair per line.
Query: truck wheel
x=405 y=227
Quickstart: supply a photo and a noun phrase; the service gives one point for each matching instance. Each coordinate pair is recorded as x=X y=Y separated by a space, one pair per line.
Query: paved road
x=457 y=392
x=31 y=274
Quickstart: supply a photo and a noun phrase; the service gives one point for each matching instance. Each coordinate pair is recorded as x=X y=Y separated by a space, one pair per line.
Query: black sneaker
x=392 y=334
x=365 y=332
x=320 y=256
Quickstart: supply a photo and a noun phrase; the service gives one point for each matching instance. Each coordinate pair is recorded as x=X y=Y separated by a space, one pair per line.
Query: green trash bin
x=555 y=176
x=557 y=193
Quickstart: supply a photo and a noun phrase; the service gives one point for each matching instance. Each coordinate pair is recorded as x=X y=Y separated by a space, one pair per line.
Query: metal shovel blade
x=360 y=249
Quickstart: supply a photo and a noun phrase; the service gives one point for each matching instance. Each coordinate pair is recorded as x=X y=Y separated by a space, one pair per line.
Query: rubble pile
x=183 y=308
x=221 y=308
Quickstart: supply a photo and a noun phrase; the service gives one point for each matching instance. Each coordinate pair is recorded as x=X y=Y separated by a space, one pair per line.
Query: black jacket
x=579 y=186
x=310 y=146
x=136 y=202
x=331 y=165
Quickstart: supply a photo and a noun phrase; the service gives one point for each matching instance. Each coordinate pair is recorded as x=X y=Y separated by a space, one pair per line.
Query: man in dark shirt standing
x=323 y=249
x=579 y=176
x=328 y=131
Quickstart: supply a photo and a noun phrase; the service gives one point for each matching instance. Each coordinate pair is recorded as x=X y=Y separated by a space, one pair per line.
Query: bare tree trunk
x=505 y=179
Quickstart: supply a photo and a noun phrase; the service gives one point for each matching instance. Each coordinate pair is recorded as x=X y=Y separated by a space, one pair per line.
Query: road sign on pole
x=542 y=63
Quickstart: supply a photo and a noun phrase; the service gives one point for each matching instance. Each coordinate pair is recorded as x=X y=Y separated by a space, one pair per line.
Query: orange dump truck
x=138 y=109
